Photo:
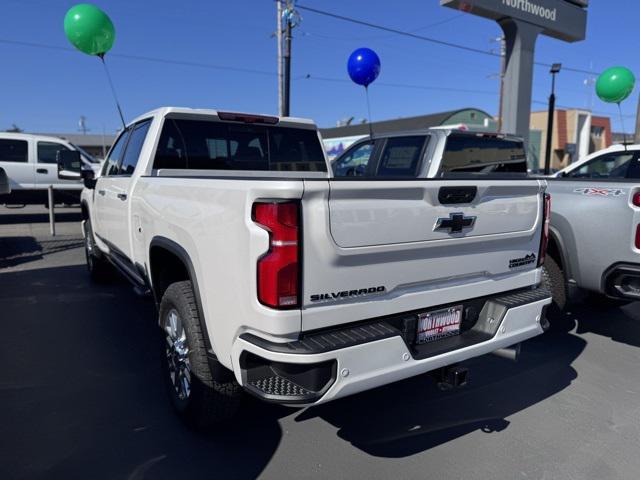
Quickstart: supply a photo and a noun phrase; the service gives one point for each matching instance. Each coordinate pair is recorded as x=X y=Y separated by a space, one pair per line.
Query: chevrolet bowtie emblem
x=455 y=223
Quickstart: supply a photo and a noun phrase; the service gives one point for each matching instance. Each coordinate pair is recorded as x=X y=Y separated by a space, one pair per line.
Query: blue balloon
x=363 y=66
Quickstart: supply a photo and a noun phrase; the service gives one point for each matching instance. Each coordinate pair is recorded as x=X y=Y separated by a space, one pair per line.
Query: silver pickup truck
x=594 y=243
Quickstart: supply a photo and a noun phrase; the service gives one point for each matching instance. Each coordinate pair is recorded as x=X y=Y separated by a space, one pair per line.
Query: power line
x=436 y=41
x=145 y=58
x=393 y=30
x=309 y=76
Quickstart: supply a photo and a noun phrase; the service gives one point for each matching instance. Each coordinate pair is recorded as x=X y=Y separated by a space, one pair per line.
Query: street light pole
x=555 y=68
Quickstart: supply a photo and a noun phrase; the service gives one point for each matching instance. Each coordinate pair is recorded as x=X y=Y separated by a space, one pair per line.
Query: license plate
x=439 y=324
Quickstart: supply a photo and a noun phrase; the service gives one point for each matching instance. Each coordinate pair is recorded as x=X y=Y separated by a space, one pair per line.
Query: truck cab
x=29 y=163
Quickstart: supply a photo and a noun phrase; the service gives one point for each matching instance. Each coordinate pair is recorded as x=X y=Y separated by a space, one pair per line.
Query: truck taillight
x=546 y=220
x=636 y=199
x=279 y=268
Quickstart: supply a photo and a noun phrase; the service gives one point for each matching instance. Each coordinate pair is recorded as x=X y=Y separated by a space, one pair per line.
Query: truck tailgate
x=373 y=248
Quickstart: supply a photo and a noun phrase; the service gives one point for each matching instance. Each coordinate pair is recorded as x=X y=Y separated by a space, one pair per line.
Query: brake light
x=247 y=118
x=546 y=220
x=638 y=237
x=636 y=199
x=279 y=268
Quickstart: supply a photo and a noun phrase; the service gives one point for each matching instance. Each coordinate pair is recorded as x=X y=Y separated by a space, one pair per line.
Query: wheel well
x=166 y=268
x=85 y=211
x=553 y=250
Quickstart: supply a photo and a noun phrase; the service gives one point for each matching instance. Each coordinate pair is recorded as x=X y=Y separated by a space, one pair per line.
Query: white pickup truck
x=28 y=163
x=274 y=277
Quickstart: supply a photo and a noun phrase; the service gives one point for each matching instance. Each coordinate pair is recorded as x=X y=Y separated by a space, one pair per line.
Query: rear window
x=206 y=145
x=466 y=154
x=401 y=156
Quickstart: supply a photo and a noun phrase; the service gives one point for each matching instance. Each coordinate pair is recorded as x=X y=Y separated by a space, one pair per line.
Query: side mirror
x=69 y=164
x=88 y=178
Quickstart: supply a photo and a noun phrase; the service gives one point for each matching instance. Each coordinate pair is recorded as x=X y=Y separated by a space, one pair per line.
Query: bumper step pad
x=281 y=387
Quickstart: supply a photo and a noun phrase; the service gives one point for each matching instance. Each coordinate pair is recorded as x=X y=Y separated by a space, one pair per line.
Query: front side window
x=612 y=165
x=134 y=147
x=355 y=162
x=480 y=154
x=14 y=151
x=48 y=151
x=401 y=156
x=207 y=145
x=113 y=158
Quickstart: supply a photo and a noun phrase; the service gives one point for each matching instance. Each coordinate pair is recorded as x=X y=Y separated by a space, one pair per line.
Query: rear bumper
x=324 y=366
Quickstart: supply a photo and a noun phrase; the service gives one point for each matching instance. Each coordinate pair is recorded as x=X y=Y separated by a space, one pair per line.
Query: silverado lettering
x=346 y=293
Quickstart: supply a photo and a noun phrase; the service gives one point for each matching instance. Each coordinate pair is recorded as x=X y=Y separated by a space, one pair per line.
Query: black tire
x=553 y=280
x=100 y=270
x=208 y=400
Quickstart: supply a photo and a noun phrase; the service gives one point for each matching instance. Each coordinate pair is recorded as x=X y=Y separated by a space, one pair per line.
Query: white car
x=29 y=163
x=272 y=276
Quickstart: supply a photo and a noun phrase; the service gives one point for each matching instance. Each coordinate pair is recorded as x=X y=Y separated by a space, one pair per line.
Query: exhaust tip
x=510 y=353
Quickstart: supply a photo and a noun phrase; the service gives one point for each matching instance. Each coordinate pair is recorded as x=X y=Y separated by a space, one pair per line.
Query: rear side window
x=48 y=151
x=482 y=155
x=14 y=151
x=401 y=156
x=134 y=146
x=113 y=158
x=613 y=165
x=206 y=145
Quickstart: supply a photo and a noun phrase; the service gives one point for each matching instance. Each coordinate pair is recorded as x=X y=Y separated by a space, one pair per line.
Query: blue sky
x=47 y=89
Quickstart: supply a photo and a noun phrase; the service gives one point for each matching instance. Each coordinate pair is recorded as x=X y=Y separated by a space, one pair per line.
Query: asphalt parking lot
x=81 y=394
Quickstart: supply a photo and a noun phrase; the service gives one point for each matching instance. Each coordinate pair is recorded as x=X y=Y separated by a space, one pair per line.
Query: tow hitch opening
x=453 y=376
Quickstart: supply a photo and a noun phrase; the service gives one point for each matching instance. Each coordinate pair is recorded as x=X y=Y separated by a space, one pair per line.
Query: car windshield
x=90 y=158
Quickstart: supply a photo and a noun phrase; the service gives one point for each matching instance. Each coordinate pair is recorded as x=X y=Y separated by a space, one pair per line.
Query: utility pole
x=82 y=124
x=503 y=53
x=286 y=87
x=291 y=19
x=279 y=39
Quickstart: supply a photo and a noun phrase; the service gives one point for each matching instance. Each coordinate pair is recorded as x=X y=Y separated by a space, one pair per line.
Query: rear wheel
x=553 y=280
x=199 y=398
x=99 y=268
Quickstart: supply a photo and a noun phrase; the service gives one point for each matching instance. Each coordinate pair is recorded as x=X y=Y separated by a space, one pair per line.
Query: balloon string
x=624 y=132
x=366 y=89
x=113 y=90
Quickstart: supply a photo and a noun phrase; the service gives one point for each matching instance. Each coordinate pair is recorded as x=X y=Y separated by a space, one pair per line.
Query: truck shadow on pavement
x=16 y=251
x=17 y=217
x=82 y=393
x=413 y=416
x=620 y=324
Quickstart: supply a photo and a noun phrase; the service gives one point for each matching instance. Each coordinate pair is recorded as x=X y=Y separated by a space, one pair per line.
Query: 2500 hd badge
x=347 y=293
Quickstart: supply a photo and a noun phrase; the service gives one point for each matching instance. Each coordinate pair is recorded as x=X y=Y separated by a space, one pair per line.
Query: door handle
x=42 y=170
x=122 y=196
x=101 y=192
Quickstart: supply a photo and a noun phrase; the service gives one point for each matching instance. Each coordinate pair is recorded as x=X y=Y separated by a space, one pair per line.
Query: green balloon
x=89 y=29
x=615 y=84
